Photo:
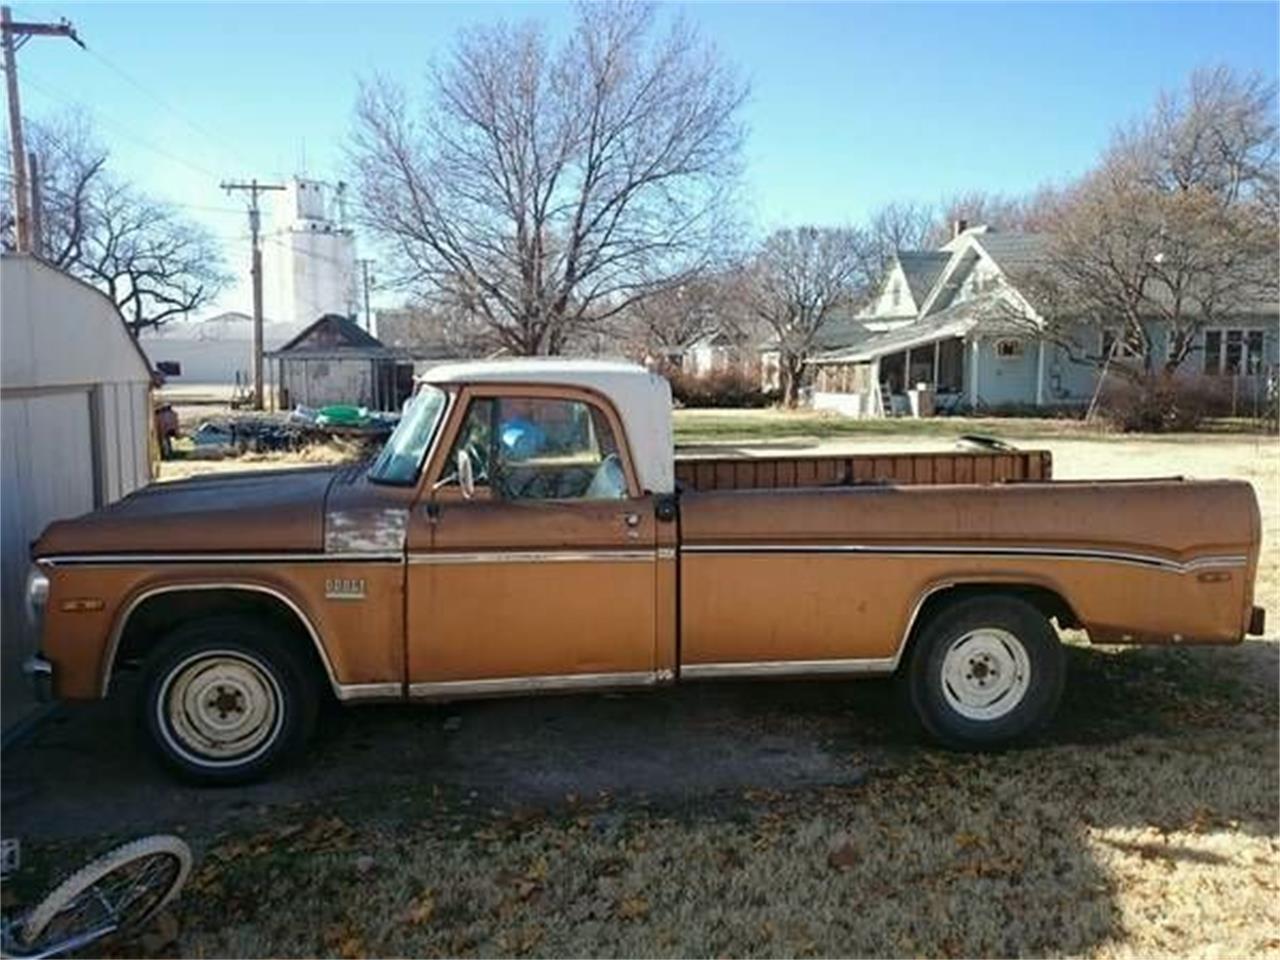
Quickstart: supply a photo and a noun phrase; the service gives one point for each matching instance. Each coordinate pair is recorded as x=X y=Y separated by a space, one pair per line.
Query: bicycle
x=115 y=894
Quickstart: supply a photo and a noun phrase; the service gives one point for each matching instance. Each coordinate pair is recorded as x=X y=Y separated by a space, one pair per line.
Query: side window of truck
x=541 y=448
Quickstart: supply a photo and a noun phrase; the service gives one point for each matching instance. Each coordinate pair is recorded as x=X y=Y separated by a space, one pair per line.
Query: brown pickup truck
x=524 y=531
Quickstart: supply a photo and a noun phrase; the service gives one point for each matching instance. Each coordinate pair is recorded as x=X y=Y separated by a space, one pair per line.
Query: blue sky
x=852 y=105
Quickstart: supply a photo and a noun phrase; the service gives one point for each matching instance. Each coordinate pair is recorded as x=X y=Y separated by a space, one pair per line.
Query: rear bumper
x=1257 y=622
x=40 y=671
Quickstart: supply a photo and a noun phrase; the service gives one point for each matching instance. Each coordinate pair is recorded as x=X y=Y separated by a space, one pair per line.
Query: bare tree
x=547 y=189
x=669 y=321
x=1026 y=213
x=71 y=164
x=799 y=281
x=1175 y=230
x=439 y=328
x=896 y=226
x=153 y=262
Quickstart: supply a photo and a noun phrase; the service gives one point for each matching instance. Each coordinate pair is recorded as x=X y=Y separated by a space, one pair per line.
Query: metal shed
x=76 y=428
x=334 y=361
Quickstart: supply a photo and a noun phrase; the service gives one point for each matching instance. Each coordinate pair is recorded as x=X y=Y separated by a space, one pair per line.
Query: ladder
x=886 y=401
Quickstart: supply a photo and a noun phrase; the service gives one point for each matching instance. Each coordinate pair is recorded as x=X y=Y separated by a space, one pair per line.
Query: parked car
x=523 y=531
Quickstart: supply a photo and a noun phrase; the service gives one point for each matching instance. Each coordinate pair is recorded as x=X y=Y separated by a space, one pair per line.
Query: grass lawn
x=697 y=426
x=694 y=427
x=1146 y=824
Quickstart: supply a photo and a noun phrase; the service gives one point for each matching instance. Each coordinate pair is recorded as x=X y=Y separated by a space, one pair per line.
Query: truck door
x=540 y=569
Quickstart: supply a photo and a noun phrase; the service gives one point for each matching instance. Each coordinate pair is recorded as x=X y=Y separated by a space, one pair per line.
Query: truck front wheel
x=224 y=700
x=986 y=672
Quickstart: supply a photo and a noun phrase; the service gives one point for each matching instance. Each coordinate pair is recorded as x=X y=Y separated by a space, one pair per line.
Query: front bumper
x=40 y=671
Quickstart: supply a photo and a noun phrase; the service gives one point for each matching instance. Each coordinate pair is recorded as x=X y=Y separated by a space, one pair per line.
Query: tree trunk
x=790 y=369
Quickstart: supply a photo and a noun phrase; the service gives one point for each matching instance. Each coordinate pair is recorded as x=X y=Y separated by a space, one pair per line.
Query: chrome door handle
x=631 y=519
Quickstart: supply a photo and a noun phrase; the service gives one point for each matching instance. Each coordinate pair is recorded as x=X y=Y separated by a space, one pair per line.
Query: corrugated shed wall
x=75 y=422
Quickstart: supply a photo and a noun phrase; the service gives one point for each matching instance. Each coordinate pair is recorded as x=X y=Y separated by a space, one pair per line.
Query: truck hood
x=275 y=511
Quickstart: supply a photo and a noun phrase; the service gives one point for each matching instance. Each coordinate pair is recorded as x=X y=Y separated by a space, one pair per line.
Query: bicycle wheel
x=118 y=892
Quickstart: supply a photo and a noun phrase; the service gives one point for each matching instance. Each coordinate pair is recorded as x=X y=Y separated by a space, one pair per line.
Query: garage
x=75 y=429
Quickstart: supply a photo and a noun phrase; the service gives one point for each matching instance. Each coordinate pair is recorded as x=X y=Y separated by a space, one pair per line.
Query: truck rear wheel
x=225 y=699
x=986 y=672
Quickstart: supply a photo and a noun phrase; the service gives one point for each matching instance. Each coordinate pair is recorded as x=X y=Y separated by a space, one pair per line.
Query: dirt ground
x=778 y=819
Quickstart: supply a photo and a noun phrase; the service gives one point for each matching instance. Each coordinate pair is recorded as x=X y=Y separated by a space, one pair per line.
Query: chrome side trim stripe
x=138 y=558
x=788 y=668
x=504 y=686
x=353 y=692
x=1057 y=553
x=647 y=556
x=536 y=556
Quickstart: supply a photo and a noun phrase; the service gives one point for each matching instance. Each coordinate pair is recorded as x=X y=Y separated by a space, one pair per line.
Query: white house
x=76 y=431
x=944 y=319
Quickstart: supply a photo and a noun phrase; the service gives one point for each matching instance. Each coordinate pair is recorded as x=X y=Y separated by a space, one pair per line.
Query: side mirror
x=466 y=475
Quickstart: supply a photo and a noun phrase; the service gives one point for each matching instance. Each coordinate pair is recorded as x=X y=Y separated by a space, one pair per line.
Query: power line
x=135 y=138
x=218 y=142
x=204 y=208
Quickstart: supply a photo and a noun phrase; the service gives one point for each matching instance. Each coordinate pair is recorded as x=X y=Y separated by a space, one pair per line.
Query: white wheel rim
x=220 y=708
x=985 y=674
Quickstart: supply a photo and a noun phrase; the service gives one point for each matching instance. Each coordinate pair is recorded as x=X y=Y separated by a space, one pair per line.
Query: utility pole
x=37 y=206
x=365 y=264
x=13 y=34
x=253 y=188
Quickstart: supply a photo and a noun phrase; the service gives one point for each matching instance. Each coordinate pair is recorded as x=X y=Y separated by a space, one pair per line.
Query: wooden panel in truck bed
x=768 y=473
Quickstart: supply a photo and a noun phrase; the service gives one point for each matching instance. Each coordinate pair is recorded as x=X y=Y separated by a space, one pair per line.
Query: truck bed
x=702 y=474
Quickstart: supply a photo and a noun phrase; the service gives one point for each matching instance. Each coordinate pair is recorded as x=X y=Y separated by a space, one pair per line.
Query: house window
x=896 y=293
x=1253 y=353
x=1233 y=352
x=1008 y=349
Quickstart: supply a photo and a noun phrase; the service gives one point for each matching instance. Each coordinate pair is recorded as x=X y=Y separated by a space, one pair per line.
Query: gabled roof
x=922 y=269
x=42 y=306
x=332 y=332
x=1014 y=252
x=955 y=321
x=949 y=282
x=840 y=332
x=837 y=333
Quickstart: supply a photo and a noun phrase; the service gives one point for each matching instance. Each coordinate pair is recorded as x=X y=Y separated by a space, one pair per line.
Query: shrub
x=732 y=387
x=1160 y=403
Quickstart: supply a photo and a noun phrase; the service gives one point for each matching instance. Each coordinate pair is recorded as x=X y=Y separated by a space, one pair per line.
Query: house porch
x=915 y=380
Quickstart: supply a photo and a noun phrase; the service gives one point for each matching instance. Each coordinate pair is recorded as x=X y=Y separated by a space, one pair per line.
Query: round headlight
x=37 y=595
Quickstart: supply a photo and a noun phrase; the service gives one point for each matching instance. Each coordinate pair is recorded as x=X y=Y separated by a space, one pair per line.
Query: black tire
x=226 y=699
x=967 y=700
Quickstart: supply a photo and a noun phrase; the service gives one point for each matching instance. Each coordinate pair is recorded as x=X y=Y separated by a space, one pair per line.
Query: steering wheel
x=479 y=461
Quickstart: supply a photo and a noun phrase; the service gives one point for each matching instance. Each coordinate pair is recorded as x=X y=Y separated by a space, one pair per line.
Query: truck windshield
x=401 y=459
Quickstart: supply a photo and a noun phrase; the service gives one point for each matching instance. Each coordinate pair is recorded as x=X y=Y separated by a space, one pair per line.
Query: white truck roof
x=642 y=399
